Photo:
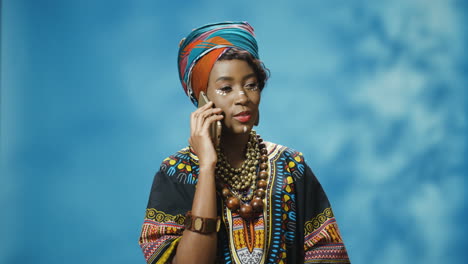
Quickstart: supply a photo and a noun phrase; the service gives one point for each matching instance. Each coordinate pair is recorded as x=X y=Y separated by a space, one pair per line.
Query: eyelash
x=226 y=89
x=223 y=90
x=252 y=86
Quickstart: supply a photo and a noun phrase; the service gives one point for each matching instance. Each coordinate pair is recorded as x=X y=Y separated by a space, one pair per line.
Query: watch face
x=197 y=225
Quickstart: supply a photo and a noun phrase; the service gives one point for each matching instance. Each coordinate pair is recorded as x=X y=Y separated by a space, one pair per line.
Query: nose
x=241 y=97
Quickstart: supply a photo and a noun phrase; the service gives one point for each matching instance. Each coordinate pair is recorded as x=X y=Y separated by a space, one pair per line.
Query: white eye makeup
x=253 y=86
x=223 y=90
x=250 y=87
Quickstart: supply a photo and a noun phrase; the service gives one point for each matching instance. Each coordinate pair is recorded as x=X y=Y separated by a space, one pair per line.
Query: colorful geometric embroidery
x=288 y=203
x=317 y=221
x=327 y=253
x=323 y=241
x=248 y=238
x=161 y=217
x=160 y=233
x=275 y=233
x=287 y=166
x=269 y=238
x=295 y=164
x=183 y=165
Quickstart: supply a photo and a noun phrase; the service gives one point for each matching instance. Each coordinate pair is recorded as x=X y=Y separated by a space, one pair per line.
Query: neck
x=234 y=146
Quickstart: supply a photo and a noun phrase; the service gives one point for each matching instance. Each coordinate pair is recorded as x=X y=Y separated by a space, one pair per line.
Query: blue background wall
x=373 y=94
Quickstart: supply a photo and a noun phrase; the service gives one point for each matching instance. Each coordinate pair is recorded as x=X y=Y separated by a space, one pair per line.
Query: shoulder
x=287 y=159
x=277 y=151
x=182 y=165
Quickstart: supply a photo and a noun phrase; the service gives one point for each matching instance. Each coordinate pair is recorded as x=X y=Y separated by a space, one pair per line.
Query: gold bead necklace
x=237 y=185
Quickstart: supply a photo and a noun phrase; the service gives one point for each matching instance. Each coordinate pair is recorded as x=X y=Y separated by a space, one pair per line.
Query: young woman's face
x=233 y=87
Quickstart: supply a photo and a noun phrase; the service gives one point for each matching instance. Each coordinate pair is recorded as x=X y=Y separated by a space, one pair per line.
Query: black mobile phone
x=215 y=128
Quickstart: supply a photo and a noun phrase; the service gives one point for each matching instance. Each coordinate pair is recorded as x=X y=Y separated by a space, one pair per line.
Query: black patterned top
x=297 y=224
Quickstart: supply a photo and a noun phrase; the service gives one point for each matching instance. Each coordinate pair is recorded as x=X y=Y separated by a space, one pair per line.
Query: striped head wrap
x=200 y=50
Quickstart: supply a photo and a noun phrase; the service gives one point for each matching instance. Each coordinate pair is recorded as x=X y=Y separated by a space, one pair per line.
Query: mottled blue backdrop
x=374 y=94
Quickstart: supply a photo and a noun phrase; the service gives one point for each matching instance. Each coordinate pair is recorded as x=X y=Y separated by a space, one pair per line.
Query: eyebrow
x=227 y=78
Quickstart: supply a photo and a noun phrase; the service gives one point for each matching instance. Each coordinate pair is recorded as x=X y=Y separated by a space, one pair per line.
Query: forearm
x=195 y=247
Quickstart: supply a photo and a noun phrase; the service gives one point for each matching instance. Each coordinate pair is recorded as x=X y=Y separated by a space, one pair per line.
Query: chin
x=239 y=129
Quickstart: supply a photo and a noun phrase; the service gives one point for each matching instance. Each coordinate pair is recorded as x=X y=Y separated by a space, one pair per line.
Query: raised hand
x=200 y=140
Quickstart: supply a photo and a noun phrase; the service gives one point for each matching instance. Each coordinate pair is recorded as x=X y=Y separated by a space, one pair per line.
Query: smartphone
x=215 y=128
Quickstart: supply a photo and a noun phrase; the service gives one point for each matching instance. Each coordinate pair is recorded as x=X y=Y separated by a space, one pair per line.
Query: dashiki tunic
x=297 y=224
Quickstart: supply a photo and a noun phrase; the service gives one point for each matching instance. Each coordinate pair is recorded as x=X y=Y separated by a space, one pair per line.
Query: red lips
x=243 y=117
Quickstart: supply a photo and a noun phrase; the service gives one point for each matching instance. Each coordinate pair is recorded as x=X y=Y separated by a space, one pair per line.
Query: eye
x=224 y=90
x=253 y=86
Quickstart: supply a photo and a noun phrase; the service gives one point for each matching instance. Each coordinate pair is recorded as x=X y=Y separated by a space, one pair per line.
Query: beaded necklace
x=237 y=185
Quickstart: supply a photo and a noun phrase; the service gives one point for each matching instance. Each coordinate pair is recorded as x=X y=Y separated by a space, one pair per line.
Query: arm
x=195 y=247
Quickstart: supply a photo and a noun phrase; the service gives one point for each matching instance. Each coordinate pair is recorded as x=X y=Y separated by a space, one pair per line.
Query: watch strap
x=202 y=225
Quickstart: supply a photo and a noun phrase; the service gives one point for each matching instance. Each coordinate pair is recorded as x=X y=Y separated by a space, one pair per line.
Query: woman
x=246 y=200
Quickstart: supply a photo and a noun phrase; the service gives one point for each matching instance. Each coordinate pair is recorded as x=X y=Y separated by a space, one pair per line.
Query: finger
x=211 y=120
x=209 y=112
x=195 y=114
x=201 y=118
x=206 y=106
x=192 y=123
x=217 y=110
x=195 y=118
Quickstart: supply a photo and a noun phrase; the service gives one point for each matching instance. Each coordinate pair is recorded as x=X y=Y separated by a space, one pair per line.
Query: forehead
x=230 y=68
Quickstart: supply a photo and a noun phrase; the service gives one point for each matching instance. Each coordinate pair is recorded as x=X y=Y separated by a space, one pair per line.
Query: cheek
x=256 y=100
x=219 y=104
x=224 y=108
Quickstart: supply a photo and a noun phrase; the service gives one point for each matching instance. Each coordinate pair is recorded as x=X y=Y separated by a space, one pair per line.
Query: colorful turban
x=200 y=50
